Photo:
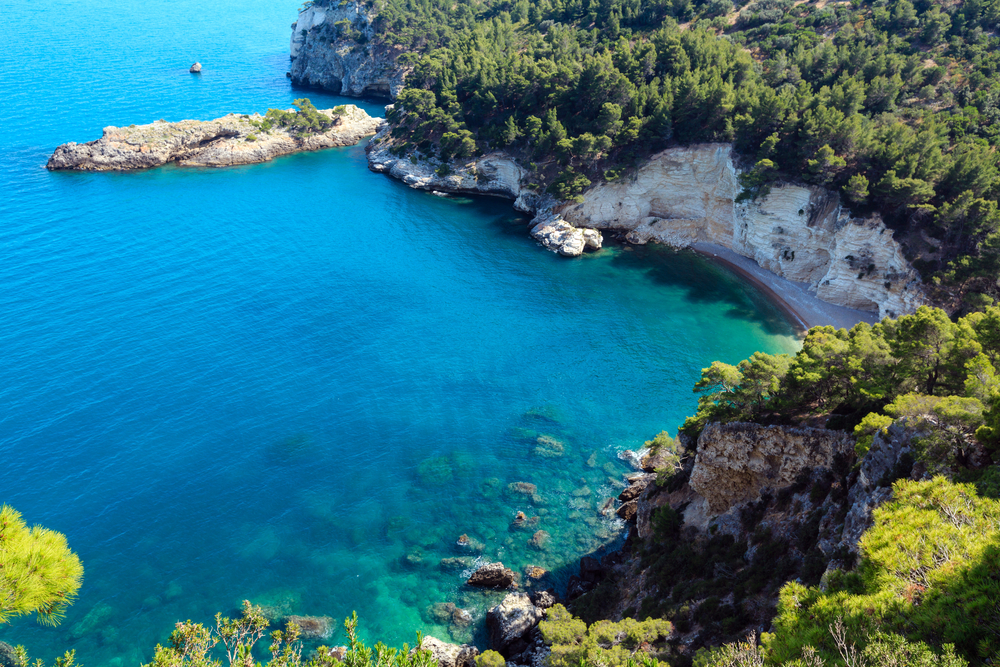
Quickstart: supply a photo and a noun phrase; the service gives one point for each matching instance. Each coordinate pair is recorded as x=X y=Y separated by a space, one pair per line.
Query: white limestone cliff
x=343 y=58
x=686 y=195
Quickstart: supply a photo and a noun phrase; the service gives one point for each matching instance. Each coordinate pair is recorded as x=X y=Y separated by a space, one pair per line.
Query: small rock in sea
x=493 y=575
x=608 y=507
x=539 y=540
x=534 y=572
x=470 y=543
x=519 y=520
x=313 y=627
x=195 y=69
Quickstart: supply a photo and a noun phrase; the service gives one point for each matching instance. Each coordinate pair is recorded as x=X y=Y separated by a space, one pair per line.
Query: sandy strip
x=793 y=298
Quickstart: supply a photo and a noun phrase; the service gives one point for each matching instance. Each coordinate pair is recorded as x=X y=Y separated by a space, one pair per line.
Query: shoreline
x=803 y=308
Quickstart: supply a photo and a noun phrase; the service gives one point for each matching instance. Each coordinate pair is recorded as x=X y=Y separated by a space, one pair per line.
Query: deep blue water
x=299 y=382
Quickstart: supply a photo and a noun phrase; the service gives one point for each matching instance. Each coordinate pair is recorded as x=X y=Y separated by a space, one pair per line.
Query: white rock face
x=325 y=57
x=687 y=195
x=495 y=174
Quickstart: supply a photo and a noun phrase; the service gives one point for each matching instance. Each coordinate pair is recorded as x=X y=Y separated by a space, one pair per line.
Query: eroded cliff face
x=736 y=461
x=333 y=48
x=687 y=195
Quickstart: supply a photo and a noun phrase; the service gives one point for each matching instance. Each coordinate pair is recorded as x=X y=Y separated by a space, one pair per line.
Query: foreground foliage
x=38 y=572
x=192 y=644
x=929 y=571
x=627 y=643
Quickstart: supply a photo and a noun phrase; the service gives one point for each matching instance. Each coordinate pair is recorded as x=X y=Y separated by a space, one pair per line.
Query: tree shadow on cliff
x=704 y=282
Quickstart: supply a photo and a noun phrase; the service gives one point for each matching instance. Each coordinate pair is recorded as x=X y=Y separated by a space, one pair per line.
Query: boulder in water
x=195 y=69
x=492 y=575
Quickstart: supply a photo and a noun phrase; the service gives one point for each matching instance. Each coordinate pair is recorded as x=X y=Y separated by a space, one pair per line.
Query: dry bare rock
x=195 y=69
x=226 y=141
x=492 y=575
x=736 y=461
x=510 y=623
x=686 y=195
x=449 y=655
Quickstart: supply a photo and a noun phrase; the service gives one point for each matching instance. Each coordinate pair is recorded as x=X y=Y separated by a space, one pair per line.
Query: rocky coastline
x=496 y=174
x=231 y=140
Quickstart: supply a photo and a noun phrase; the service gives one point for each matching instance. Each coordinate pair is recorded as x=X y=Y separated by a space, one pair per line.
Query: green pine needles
x=38 y=572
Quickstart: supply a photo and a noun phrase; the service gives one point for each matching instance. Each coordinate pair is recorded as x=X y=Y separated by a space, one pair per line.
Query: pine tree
x=38 y=572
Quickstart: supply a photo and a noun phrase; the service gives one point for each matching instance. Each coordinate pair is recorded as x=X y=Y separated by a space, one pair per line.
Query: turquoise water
x=300 y=382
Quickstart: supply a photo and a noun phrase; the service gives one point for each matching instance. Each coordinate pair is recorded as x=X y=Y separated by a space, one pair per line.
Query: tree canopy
x=38 y=572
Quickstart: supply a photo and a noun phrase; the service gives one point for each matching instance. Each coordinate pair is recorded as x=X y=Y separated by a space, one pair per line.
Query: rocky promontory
x=231 y=140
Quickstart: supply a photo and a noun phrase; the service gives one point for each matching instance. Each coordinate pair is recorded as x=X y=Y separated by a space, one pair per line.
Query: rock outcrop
x=736 y=461
x=449 y=655
x=496 y=174
x=230 y=140
x=511 y=622
x=333 y=48
x=682 y=196
x=493 y=575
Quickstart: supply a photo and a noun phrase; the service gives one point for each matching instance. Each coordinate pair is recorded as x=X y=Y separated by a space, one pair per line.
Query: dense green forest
x=895 y=104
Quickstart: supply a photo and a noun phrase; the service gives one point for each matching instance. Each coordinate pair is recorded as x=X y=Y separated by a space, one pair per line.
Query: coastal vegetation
x=38 y=572
x=894 y=104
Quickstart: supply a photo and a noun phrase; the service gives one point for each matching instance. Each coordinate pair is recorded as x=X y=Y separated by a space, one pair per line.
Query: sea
x=301 y=383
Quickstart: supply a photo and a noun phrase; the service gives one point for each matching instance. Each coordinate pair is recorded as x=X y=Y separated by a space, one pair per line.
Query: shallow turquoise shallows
x=300 y=382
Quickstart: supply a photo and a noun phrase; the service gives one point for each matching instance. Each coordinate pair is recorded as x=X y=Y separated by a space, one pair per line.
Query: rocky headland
x=231 y=140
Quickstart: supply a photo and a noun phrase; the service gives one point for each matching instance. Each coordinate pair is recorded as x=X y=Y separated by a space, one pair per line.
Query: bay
x=301 y=382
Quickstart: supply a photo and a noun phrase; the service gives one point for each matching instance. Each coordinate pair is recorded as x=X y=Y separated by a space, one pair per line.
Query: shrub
x=927 y=573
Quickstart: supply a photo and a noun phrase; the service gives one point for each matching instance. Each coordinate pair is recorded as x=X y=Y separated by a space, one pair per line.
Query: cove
x=300 y=382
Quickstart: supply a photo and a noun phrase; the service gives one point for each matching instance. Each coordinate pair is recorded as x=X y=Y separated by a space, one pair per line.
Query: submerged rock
x=493 y=575
x=313 y=627
x=523 y=488
x=539 y=541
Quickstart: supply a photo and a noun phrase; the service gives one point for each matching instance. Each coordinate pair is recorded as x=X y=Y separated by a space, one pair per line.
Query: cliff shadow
x=705 y=282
